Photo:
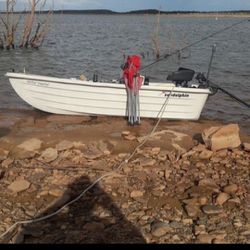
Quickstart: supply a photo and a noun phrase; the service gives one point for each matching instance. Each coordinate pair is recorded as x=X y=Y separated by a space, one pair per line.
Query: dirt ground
x=173 y=189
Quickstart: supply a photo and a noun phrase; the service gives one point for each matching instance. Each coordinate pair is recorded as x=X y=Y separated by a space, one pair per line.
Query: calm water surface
x=88 y=44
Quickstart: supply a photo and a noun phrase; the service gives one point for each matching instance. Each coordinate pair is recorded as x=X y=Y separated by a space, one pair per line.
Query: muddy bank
x=174 y=189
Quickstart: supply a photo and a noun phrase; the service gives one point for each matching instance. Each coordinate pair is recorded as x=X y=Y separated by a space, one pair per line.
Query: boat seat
x=183 y=75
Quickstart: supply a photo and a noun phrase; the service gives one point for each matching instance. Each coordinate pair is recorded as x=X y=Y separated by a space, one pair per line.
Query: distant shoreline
x=239 y=13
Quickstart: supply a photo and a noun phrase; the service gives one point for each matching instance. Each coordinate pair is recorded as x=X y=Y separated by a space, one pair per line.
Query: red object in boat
x=131 y=72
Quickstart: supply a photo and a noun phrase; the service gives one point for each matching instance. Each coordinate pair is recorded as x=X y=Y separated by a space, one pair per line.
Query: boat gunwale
x=169 y=86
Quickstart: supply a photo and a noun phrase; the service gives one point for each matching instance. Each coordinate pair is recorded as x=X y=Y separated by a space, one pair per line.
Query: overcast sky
x=126 y=5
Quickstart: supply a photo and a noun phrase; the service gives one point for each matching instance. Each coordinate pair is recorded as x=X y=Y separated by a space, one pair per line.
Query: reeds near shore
x=33 y=31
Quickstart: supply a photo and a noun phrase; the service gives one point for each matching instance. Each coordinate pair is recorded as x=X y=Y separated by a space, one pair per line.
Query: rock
x=105 y=147
x=230 y=189
x=56 y=192
x=237 y=223
x=125 y=133
x=6 y=163
x=147 y=162
x=235 y=200
x=205 y=154
x=159 y=229
x=222 y=198
x=246 y=146
x=225 y=137
x=136 y=194
x=187 y=221
x=203 y=200
x=168 y=172
x=23 y=154
x=31 y=145
x=199 y=148
x=209 y=183
x=130 y=137
x=191 y=202
x=205 y=238
x=192 y=210
x=162 y=156
x=212 y=209
x=19 y=186
x=49 y=155
x=156 y=150
x=199 y=229
x=79 y=145
x=3 y=154
x=64 y=145
x=221 y=153
x=245 y=233
x=92 y=153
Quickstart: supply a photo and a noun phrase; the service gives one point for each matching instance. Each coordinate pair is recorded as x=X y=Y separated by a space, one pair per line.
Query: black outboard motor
x=181 y=77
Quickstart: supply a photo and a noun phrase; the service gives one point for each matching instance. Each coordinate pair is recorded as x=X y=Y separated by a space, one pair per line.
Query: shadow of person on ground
x=4 y=131
x=93 y=219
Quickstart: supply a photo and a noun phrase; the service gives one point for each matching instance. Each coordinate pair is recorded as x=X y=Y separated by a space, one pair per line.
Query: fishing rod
x=163 y=57
x=215 y=88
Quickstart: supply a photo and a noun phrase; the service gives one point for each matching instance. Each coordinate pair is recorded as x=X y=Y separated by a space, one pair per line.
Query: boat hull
x=76 y=97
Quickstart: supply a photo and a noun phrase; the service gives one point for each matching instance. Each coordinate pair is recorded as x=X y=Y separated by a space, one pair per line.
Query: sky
x=127 y=5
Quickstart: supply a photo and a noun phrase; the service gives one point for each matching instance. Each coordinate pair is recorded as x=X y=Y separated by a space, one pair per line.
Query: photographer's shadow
x=93 y=219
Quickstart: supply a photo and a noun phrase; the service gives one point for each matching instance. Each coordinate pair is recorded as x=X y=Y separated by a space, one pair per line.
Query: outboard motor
x=181 y=77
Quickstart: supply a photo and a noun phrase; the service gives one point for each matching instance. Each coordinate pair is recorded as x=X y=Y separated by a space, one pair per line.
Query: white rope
x=160 y=115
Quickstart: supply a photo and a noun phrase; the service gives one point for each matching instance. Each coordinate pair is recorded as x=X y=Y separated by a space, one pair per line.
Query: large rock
x=31 y=145
x=225 y=137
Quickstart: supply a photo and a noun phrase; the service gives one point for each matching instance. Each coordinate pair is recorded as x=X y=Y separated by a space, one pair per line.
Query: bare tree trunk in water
x=30 y=18
x=10 y=23
x=7 y=37
x=155 y=38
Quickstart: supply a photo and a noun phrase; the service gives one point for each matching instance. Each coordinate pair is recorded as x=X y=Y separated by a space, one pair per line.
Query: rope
x=163 y=57
x=159 y=115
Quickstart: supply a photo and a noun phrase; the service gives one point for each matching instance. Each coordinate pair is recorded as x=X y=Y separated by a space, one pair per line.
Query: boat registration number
x=178 y=95
x=38 y=83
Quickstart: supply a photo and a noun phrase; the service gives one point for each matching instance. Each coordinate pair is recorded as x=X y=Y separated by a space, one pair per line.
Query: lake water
x=88 y=44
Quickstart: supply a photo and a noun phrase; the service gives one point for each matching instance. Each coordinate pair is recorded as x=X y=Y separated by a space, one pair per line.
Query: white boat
x=88 y=97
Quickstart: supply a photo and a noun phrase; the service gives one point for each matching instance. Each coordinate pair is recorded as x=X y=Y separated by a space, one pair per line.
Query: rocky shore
x=188 y=183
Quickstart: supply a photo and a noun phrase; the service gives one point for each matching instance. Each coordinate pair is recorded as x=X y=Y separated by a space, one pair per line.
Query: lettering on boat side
x=179 y=95
x=38 y=83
